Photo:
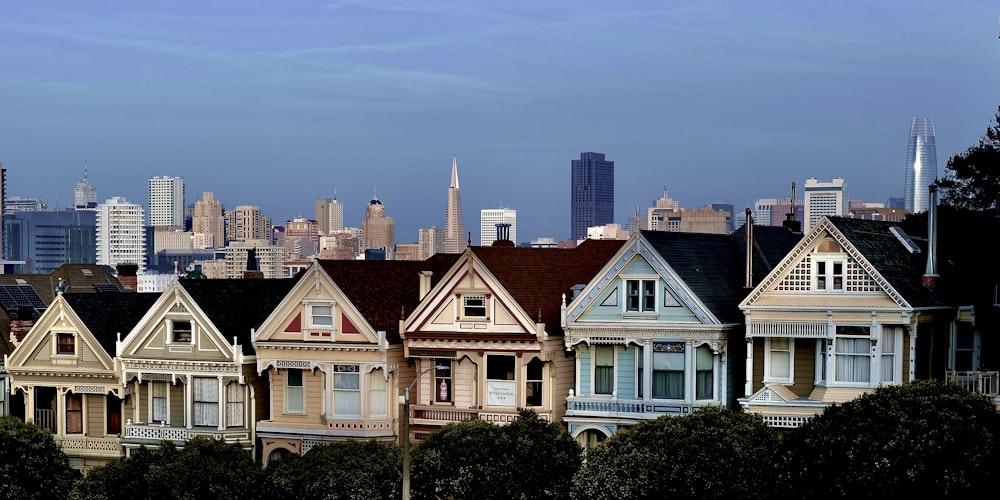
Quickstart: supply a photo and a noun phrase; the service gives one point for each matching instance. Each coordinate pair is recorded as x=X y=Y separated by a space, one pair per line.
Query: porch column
x=61 y=410
x=875 y=367
x=912 y=368
x=647 y=370
x=29 y=404
x=831 y=358
x=748 y=371
x=689 y=369
x=222 y=404
x=188 y=402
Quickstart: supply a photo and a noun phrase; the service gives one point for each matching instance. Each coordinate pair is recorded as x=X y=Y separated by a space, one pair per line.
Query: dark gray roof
x=107 y=315
x=236 y=306
x=713 y=265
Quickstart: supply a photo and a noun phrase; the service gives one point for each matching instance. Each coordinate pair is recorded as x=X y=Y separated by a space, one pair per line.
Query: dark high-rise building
x=592 y=194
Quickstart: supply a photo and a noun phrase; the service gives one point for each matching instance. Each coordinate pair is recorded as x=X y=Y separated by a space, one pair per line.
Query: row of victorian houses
x=597 y=337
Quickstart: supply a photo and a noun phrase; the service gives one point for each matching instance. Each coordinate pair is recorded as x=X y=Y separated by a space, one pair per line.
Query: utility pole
x=405 y=401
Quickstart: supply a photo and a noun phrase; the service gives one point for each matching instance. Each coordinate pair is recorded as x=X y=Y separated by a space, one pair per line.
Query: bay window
x=376 y=393
x=206 y=401
x=158 y=404
x=604 y=369
x=442 y=381
x=778 y=359
x=668 y=370
x=346 y=391
x=852 y=348
x=294 y=391
x=74 y=413
x=704 y=373
x=234 y=404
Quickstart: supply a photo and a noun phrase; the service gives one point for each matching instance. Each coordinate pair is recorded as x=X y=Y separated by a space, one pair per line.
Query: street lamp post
x=405 y=401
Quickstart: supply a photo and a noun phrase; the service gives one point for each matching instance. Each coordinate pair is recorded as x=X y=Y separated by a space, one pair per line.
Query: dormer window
x=640 y=295
x=474 y=306
x=182 y=332
x=829 y=275
x=321 y=316
x=65 y=344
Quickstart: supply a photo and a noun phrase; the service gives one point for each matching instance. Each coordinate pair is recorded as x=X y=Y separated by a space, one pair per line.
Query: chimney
x=425 y=283
x=21 y=321
x=790 y=222
x=930 y=274
x=252 y=272
x=749 y=256
x=127 y=276
x=503 y=236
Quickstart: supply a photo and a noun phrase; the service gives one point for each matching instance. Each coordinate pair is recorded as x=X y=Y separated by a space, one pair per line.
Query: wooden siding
x=626 y=372
x=585 y=370
x=176 y=397
x=95 y=413
x=758 y=365
x=804 y=377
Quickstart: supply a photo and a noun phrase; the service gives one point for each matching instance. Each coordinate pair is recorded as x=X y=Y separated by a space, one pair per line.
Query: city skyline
x=723 y=103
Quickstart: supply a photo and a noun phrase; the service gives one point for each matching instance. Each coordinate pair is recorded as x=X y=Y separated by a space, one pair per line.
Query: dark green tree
x=972 y=178
x=529 y=458
x=921 y=440
x=121 y=480
x=31 y=464
x=347 y=470
x=714 y=452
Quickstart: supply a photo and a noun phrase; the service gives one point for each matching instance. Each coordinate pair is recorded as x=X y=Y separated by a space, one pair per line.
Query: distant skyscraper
x=166 y=202
x=824 y=198
x=455 y=239
x=120 y=233
x=85 y=194
x=921 y=164
x=209 y=219
x=378 y=230
x=488 y=220
x=329 y=215
x=592 y=193
x=245 y=222
x=431 y=241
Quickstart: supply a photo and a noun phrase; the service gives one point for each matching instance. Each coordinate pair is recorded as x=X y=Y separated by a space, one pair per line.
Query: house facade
x=487 y=340
x=188 y=367
x=657 y=331
x=853 y=306
x=332 y=353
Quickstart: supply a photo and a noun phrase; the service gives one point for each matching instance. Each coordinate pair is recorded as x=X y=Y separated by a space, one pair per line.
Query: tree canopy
x=714 y=452
x=972 y=178
x=921 y=440
x=31 y=464
x=345 y=470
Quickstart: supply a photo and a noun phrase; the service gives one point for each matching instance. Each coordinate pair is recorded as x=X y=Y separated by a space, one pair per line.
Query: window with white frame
x=852 y=349
x=890 y=353
x=377 y=393
x=182 y=331
x=828 y=275
x=500 y=386
x=321 y=316
x=74 y=413
x=640 y=295
x=65 y=344
x=668 y=370
x=704 y=372
x=604 y=369
x=474 y=306
x=159 y=402
x=778 y=359
x=206 y=401
x=965 y=347
x=235 y=395
x=346 y=391
x=294 y=391
x=442 y=381
x=533 y=383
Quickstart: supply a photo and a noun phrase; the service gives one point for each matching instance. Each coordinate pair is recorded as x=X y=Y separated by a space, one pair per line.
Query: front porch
x=635 y=409
x=150 y=435
x=986 y=383
x=437 y=416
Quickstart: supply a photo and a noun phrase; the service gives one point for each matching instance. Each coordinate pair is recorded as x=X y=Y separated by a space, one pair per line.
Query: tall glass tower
x=921 y=165
x=592 y=194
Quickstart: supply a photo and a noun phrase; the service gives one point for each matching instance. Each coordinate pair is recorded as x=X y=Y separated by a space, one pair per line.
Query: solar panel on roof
x=18 y=296
x=106 y=288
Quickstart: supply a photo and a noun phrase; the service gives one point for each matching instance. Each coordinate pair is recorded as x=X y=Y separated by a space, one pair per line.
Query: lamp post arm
x=406 y=432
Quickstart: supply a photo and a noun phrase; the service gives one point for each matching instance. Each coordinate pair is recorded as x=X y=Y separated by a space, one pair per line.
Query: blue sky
x=277 y=103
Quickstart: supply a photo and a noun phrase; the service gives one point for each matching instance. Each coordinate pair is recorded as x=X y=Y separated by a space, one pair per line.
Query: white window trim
x=768 y=379
x=360 y=391
x=897 y=356
x=614 y=372
x=829 y=260
x=150 y=398
x=55 y=345
x=873 y=365
x=287 y=409
x=487 y=301
x=657 y=297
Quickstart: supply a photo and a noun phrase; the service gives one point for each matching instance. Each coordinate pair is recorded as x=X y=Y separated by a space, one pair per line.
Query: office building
x=488 y=220
x=166 y=202
x=455 y=239
x=209 y=222
x=120 y=233
x=592 y=193
x=823 y=198
x=921 y=165
x=245 y=222
x=329 y=215
x=378 y=230
x=431 y=241
x=41 y=242
x=14 y=204
x=85 y=194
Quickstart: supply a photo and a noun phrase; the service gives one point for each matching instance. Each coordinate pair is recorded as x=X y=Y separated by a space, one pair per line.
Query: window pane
x=632 y=295
x=234 y=405
x=376 y=394
x=294 y=397
x=74 y=413
x=206 y=401
x=780 y=364
x=442 y=381
x=648 y=295
x=159 y=401
x=322 y=315
x=604 y=369
x=704 y=376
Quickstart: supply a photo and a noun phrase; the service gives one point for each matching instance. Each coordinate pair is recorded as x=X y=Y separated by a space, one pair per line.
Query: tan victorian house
x=845 y=311
x=65 y=370
x=487 y=341
x=332 y=354
x=188 y=366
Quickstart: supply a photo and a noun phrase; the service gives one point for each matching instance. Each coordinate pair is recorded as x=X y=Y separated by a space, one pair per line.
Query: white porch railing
x=162 y=432
x=440 y=416
x=987 y=383
x=629 y=408
x=45 y=419
x=82 y=445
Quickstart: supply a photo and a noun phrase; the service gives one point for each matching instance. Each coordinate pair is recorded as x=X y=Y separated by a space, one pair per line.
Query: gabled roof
x=385 y=291
x=108 y=315
x=882 y=249
x=236 y=306
x=713 y=266
x=538 y=278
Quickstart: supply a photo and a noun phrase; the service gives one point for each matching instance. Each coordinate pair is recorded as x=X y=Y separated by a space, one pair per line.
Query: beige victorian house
x=840 y=315
x=487 y=341
x=188 y=366
x=66 y=372
x=332 y=354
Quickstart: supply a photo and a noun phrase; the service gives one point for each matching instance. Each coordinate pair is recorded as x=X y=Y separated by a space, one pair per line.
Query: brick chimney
x=127 y=274
x=21 y=321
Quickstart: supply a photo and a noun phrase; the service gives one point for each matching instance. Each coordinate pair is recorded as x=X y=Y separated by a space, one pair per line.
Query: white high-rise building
x=121 y=235
x=488 y=220
x=921 y=165
x=822 y=199
x=329 y=215
x=85 y=194
x=166 y=201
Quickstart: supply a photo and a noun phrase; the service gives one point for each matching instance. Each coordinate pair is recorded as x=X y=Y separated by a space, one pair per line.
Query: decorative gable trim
x=59 y=317
x=792 y=263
